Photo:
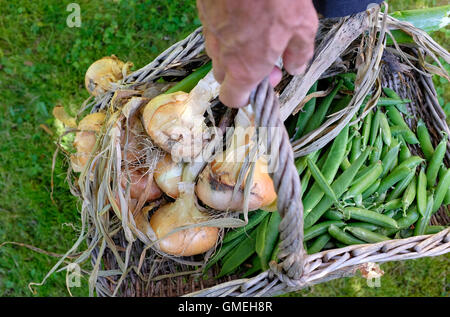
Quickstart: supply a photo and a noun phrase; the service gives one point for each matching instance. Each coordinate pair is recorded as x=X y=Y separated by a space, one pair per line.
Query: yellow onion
x=140 y=183
x=168 y=175
x=216 y=184
x=102 y=73
x=175 y=121
x=85 y=139
x=180 y=213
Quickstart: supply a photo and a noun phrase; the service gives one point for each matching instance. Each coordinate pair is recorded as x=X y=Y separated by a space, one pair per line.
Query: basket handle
x=286 y=181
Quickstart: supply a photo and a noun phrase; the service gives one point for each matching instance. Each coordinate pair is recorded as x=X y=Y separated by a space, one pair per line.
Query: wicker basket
x=340 y=38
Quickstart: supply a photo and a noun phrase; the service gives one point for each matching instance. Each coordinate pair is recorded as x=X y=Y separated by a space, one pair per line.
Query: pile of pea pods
x=364 y=187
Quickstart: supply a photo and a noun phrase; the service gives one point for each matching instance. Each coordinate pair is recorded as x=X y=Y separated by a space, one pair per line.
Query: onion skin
x=175 y=121
x=185 y=242
x=216 y=183
x=102 y=73
x=135 y=148
x=215 y=189
x=170 y=125
x=138 y=184
x=168 y=175
x=85 y=139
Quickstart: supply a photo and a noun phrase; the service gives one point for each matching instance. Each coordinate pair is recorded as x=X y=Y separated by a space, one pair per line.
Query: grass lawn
x=42 y=64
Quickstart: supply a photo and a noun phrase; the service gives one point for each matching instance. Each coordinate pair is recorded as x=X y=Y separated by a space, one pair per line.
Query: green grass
x=42 y=64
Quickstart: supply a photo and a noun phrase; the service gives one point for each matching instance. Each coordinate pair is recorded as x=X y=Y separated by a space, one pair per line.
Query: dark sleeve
x=341 y=8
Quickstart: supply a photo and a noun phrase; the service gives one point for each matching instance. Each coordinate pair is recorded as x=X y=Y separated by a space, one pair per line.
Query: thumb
x=233 y=93
x=297 y=54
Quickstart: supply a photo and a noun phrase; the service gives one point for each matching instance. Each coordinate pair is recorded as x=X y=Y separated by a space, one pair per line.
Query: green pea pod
x=332 y=214
x=374 y=129
x=349 y=80
x=274 y=255
x=340 y=104
x=261 y=232
x=396 y=117
x=424 y=220
x=305 y=181
x=300 y=164
x=394 y=142
x=356 y=148
x=319 y=114
x=405 y=153
x=342 y=236
x=362 y=172
x=391 y=101
x=238 y=255
x=424 y=139
x=434 y=229
x=256 y=267
x=365 y=225
x=442 y=172
x=376 y=153
x=329 y=170
x=392 y=205
x=306 y=113
x=365 y=182
x=319 y=243
x=366 y=235
x=322 y=182
x=391 y=213
x=421 y=192
x=395 y=176
x=191 y=80
x=255 y=218
x=447 y=197
x=391 y=93
x=401 y=186
x=366 y=130
x=409 y=195
x=370 y=216
x=411 y=162
x=385 y=130
x=345 y=164
x=384 y=151
x=224 y=250
x=270 y=240
x=389 y=160
x=320 y=163
x=372 y=189
x=436 y=162
x=405 y=132
x=319 y=229
x=411 y=217
x=403 y=223
x=441 y=190
x=339 y=186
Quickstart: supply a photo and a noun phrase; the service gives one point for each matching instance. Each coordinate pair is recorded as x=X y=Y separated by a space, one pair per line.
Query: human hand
x=245 y=39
